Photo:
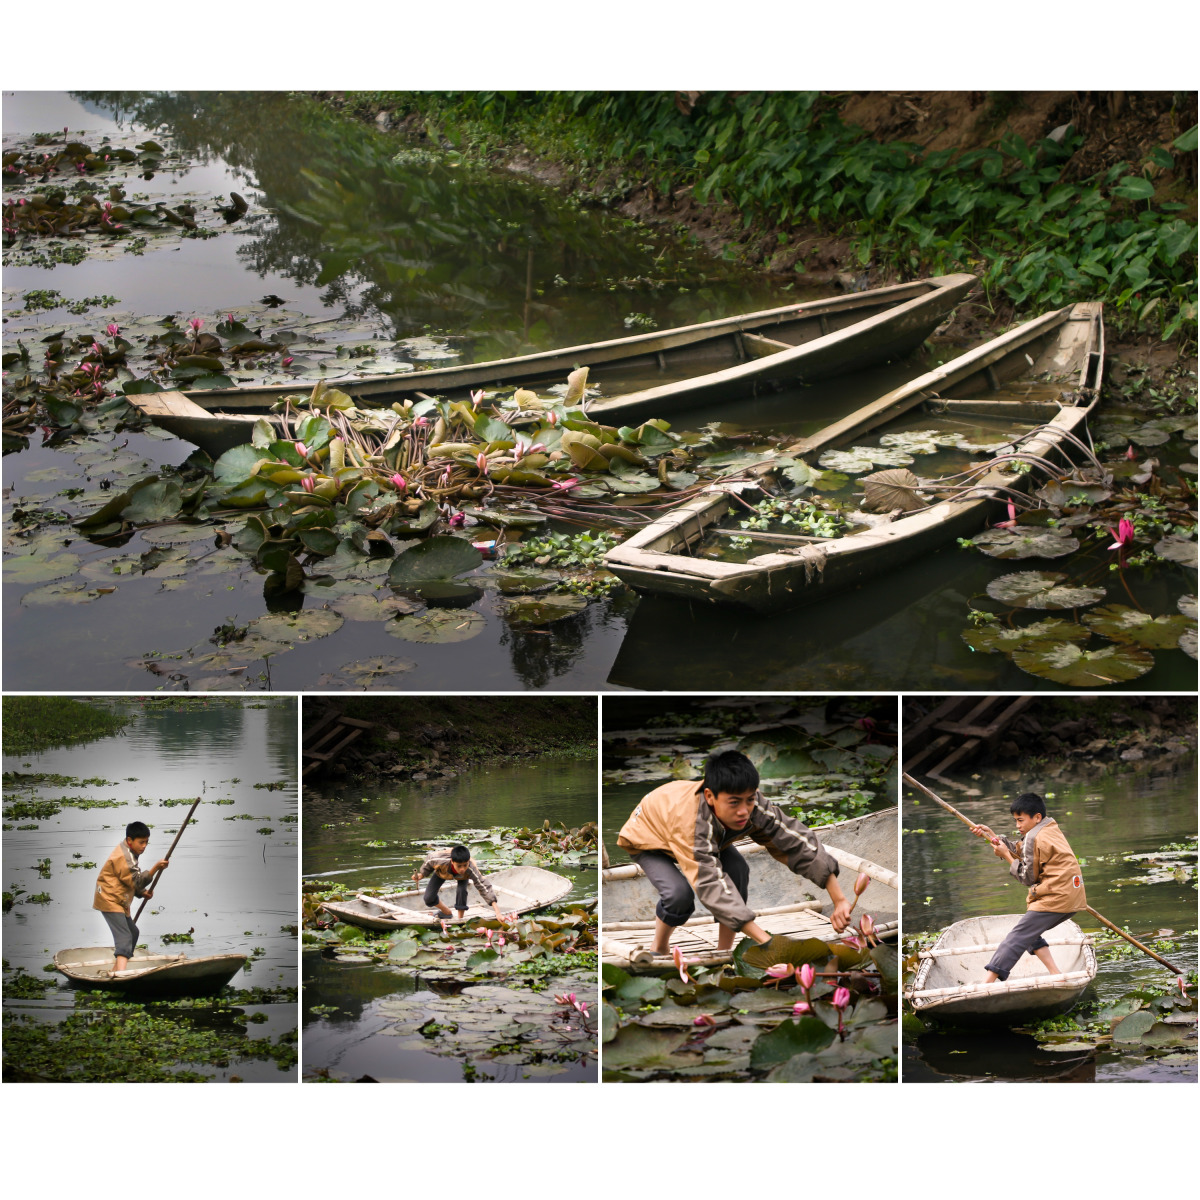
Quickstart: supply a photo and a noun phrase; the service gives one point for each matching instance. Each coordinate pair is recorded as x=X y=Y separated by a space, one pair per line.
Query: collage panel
x=449 y=889
x=750 y=893
x=1049 y=889
x=150 y=859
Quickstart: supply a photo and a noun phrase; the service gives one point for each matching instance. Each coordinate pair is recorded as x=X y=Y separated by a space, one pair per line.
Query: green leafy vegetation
x=34 y=723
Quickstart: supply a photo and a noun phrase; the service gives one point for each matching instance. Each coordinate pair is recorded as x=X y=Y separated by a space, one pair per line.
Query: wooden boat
x=949 y=982
x=148 y=975
x=518 y=890
x=691 y=366
x=785 y=903
x=1063 y=348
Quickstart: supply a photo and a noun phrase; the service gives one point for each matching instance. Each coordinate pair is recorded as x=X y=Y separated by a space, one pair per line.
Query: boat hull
x=950 y=988
x=657 y=560
x=518 y=889
x=158 y=975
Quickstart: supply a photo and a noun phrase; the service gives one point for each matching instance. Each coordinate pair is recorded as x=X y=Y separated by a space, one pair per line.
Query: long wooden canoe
x=785 y=903
x=518 y=890
x=949 y=982
x=655 y=374
x=148 y=975
x=1064 y=348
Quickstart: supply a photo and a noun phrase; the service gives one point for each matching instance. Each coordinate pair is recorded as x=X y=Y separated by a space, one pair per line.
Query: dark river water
x=339 y=821
x=950 y=875
x=233 y=886
x=415 y=256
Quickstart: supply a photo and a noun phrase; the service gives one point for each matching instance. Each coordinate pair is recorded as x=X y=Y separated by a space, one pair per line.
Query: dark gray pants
x=677 y=901
x=1025 y=937
x=435 y=885
x=124 y=932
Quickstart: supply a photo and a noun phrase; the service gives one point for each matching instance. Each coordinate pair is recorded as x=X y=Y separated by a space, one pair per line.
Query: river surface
x=340 y=820
x=411 y=257
x=949 y=876
x=230 y=884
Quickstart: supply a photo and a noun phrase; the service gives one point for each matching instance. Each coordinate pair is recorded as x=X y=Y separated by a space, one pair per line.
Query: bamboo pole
x=157 y=874
x=1086 y=908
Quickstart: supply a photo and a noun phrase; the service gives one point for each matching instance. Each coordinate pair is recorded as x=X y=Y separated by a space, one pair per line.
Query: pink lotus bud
x=308 y=483
x=779 y=971
x=286 y=361
x=457 y=520
x=1123 y=533
x=197 y=324
x=571 y=998
x=806 y=975
x=112 y=330
x=399 y=483
x=850 y=940
x=553 y=418
x=561 y=999
x=500 y=941
x=677 y=955
x=445 y=929
x=1131 y=454
x=477 y=398
x=800 y=1008
x=481 y=461
x=704 y=1019
x=582 y=1007
x=565 y=485
x=841 y=997
x=862 y=883
x=302 y=449
x=229 y=318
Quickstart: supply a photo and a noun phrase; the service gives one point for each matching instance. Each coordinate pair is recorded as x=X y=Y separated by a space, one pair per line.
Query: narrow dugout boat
x=1047 y=370
x=689 y=367
x=518 y=890
x=148 y=975
x=785 y=903
x=949 y=982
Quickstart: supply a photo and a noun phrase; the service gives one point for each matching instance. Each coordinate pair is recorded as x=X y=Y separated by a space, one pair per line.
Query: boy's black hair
x=1031 y=804
x=460 y=854
x=137 y=829
x=730 y=772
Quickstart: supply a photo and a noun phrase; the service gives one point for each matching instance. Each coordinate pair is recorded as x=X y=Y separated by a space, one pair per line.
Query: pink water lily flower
x=582 y=1008
x=477 y=398
x=1123 y=533
x=1131 y=454
x=113 y=329
x=308 y=483
x=779 y=972
x=457 y=520
x=565 y=485
x=286 y=361
x=196 y=324
x=704 y=1019
x=862 y=883
x=850 y=940
x=1011 y=523
x=302 y=449
x=841 y=997
x=677 y=955
x=553 y=417
x=481 y=461
x=868 y=928
x=398 y=482
x=445 y=929
x=807 y=975
x=800 y=1008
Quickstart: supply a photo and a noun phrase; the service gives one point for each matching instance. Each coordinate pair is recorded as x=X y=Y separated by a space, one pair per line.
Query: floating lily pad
x=1025 y=543
x=1067 y=663
x=179 y=535
x=1132 y=1027
x=849 y=462
x=33 y=568
x=1177 y=549
x=518 y=581
x=808 y=1035
x=304 y=626
x=529 y=612
x=920 y=441
x=638 y=1048
x=435 y=560
x=1187 y=642
x=65 y=592
x=374 y=608
x=991 y=638
x=438 y=625
x=1124 y=624
x=886 y=491
x=1187 y=606
x=1041 y=590
x=1063 y=493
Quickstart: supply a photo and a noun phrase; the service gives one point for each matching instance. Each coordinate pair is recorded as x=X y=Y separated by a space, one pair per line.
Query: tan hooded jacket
x=1047 y=865
x=119 y=881
x=438 y=863
x=677 y=820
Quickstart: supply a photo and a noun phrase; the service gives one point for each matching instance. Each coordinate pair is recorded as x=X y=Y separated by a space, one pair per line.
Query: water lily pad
x=849 y=462
x=1132 y=1027
x=1041 y=590
x=433 y=560
x=1025 y=543
x=374 y=608
x=438 y=625
x=33 y=568
x=64 y=592
x=1177 y=549
x=636 y=1047
x=1187 y=642
x=886 y=491
x=1067 y=663
x=991 y=638
x=529 y=612
x=920 y=441
x=179 y=535
x=1187 y=606
x=520 y=581
x=808 y=1035
x=1124 y=624
x=304 y=626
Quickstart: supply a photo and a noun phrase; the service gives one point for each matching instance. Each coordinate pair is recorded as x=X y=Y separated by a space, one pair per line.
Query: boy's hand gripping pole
x=167 y=856
x=1087 y=907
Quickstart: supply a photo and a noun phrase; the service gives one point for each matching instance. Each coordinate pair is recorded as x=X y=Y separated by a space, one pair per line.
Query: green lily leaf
x=1067 y=663
x=1124 y=624
x=1041 y=590
x=1025 y=543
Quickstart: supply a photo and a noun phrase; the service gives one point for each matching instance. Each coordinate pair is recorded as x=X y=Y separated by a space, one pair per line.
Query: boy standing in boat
x=455 y=864
x=117 y=884
x=682 y=835
x=1044 y=861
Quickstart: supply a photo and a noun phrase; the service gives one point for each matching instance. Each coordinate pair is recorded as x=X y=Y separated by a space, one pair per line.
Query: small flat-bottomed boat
x=1064 y=349
x=148 y=975
x=518 y=890
x=690 y=366
x=784 y=903
x=949 y=982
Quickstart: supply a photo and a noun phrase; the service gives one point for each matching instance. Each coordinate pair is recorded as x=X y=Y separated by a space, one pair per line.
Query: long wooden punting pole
x=167 y=856
x=1087 y=907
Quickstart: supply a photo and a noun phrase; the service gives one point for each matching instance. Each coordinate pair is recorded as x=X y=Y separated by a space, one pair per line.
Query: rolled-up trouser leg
x=431 y=890
x=124 y=932
x=1025 y=937
x=460 y=895
x=676 y=901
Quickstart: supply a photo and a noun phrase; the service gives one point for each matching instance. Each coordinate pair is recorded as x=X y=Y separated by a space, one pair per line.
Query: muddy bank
x=435 y=738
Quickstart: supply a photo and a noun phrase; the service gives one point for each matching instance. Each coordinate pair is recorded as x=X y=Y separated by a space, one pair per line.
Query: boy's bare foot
x=662 y=937
x=1047 y=960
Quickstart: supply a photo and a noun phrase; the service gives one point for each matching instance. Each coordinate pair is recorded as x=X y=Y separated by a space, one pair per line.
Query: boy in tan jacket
x=1044 y=861
x=682 y=835
x=117 y=884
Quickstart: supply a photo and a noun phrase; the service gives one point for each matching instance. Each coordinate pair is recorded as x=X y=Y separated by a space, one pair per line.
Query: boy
x=682 y=835
x=455 y=864
x=117 y=884
x=1048 y=866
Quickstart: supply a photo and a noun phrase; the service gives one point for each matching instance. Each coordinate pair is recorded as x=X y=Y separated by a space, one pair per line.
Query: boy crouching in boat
x=117 y=884
x=1044 y=861
x=682 y=835
x=455 y=864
